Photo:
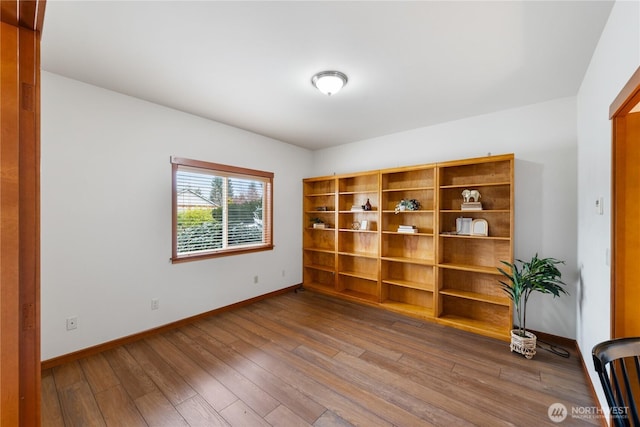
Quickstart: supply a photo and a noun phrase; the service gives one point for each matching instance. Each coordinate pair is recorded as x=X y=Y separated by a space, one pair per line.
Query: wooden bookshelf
x=431 y=274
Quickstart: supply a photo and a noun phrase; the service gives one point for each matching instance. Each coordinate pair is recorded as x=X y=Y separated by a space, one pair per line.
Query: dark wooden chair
x=618 y=365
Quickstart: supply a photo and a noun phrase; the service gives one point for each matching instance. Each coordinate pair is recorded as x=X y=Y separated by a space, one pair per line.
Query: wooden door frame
x=628 y=97
x=21 y=22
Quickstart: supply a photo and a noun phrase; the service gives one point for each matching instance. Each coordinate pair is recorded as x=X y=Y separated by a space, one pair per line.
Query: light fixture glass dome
x=329 y=82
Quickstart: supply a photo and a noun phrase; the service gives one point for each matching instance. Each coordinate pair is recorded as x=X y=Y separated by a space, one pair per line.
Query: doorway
x=625 y=215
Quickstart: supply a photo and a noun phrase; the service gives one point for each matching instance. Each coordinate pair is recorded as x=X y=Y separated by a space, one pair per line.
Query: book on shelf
x=471 y=206
x=407 y=229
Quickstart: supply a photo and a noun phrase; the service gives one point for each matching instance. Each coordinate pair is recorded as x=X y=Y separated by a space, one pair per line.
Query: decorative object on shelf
x=407 y=205
x=318 y=223
x=523 y=278
x=468 y=204
x=322 y=209
x=367 y=206
x=463 y=226
x=479 y=227
x=409 y=229
x=355 y=225
x=356 y=208
x=364 y=224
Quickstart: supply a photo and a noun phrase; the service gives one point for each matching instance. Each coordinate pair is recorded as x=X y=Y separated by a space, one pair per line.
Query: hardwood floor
x=308 y=359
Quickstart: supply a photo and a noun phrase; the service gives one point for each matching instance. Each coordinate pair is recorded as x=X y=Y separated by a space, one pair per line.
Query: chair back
x=617 y=363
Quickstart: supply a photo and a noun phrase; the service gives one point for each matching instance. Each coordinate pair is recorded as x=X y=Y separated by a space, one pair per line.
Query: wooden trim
x=9 y=12
x=229 y=172
x=32 y=15
x=627 y=98
x=219 y=167
x=56 y=361
x=220 y=253
x=29 y=177
x=622 y=184
x=174 y=212
x=556 y=339
x=9 y=227
x=617 y=201
x=20 y=214
x=28 y=14
x=485 y=159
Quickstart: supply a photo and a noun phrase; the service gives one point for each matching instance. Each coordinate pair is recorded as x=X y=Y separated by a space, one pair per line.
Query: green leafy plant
x=525 y=277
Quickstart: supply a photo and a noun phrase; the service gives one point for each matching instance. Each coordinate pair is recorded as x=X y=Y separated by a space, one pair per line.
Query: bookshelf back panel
x=408 y=246
x=316 y=238
x=346 y=220
x=367 y=266
x=326 y=217
x=346 y=201
x=319 y=203
x=486 y=284
x=492 y=197
x=358 y=285
x=499 y=222
x=319 y=278
x=407 y=296
x=475 y=251
x=359 y=183
x=414 y=273
x=495 y=315
x=324 y=259
x=319 y=186
x=358 y=242
x=476 y=173
x=422 y=220
x=426 y=198
x=409 y=179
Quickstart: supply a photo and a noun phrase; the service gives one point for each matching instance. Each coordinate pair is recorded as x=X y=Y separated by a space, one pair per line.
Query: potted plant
x=408 y=205
x=524 y=278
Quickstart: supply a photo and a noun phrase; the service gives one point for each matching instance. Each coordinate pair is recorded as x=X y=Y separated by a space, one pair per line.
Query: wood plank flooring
x=307 y=359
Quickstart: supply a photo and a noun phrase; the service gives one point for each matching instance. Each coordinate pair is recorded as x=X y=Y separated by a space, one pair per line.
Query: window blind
x=220 y=209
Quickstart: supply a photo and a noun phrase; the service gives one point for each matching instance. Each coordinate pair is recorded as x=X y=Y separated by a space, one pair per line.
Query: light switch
x=599 y=205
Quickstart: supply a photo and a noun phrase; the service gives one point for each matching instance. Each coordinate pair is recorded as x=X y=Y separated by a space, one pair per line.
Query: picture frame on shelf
x=479 y=227
x=463 y=226
x=364 y=224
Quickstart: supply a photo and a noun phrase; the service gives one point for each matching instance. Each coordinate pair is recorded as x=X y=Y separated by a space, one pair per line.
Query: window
x=219 y=210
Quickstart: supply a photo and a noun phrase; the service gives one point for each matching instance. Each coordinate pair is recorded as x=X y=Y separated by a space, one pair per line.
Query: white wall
x=614 y=61
x=543 y=139
x=106 y=215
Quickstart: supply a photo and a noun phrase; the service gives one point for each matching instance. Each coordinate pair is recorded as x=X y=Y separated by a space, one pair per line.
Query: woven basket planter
x=524 y=345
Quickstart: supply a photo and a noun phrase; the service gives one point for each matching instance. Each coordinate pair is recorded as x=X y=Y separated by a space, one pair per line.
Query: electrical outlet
x=255 y=279
x=155 y=304
x=72 y=323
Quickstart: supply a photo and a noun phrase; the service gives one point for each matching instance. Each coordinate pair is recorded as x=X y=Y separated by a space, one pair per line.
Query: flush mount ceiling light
x=329 y=82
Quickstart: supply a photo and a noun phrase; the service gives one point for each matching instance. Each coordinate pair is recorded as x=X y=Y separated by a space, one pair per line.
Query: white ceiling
x=249 y=64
